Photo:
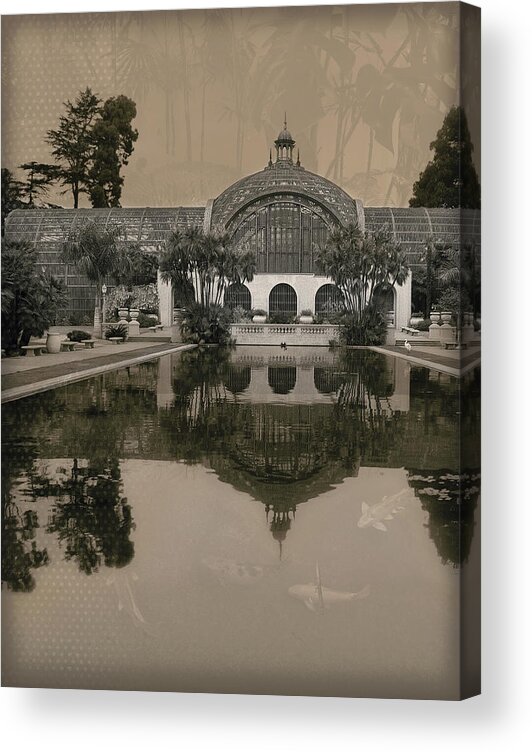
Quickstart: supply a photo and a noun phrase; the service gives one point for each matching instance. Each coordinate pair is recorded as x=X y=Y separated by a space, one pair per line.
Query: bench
x=32 y=350
x=89 y=343
x=410 y=330
x=156 y=328
x=68 y=346
x=454 y=345
x=116 y=340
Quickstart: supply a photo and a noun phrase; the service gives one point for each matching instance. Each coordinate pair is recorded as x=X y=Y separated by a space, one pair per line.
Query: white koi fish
x=317 y=598
x=374 y=516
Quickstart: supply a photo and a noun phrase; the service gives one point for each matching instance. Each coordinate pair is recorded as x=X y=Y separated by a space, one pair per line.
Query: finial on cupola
x=298 y=163
x=270 y=161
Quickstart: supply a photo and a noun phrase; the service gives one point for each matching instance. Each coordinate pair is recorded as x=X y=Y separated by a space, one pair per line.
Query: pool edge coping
x=27 y=390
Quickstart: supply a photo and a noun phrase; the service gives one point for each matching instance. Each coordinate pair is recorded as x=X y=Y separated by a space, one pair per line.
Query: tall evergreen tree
x=113 y=138
x=38 y=181
x=11 y=194
x=72 y=142
x=450 y=179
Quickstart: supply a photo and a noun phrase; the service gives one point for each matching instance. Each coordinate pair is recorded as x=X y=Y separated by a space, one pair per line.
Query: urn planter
x=259 y=319
x=53 y=342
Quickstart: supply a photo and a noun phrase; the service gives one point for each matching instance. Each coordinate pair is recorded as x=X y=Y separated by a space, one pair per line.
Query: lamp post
x=104 y=291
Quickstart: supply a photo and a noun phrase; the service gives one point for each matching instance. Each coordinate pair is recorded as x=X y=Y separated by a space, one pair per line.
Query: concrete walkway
x=22 y=376
x=454 y=362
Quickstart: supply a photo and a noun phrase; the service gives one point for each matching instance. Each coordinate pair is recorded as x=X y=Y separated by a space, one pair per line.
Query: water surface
x=255 y=521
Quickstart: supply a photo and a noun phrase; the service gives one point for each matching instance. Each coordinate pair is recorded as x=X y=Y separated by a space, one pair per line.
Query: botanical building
x=282 y=212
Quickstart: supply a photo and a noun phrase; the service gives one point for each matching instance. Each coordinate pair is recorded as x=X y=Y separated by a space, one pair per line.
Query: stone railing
x=320 y=335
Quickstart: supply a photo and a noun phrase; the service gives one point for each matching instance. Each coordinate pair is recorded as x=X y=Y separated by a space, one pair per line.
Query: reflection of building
x=282 y=213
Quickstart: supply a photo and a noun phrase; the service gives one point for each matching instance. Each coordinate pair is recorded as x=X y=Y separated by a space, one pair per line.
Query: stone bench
x=410 y=330
x=116 y=340
x=89 y=343
x=68 y=346
x=32 y=350
x=156 y=328
x=454 y=345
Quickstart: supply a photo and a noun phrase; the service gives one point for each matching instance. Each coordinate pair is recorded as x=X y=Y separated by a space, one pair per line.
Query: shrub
x=31 y=300
x=117 y=330
x=366 y=328
x=258 y=312
x=146 y=320
x=206 y=326
x=77 y=335
x=239 y=315
x=306 y=312
x=423 y=326
x=281 y=317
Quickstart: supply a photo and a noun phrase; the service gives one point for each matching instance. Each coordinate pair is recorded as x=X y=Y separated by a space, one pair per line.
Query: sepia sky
x=365 y=89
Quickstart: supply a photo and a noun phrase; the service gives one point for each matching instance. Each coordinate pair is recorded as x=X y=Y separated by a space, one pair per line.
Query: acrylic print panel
x=272 y=484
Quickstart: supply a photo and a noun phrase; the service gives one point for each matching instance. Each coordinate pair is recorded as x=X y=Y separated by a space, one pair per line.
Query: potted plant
x=259 y=316
x=306 y=316
x=416 y=319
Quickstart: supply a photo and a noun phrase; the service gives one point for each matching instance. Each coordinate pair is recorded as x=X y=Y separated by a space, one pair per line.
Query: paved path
x=41 y=375
x=453 y=361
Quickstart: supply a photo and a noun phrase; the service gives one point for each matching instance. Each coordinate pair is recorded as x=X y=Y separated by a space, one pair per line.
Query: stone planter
x=306 y=319
x=134 y=313
x=415 y=321
x=122 y=314
x=434 y=316
x=446 y=317
x=259 y=319
x=53 y=342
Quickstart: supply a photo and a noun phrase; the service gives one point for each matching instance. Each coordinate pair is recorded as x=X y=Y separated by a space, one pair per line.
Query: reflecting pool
x=290 y=522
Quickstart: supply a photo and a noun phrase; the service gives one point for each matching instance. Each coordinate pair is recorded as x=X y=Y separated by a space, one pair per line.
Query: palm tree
x=98 y=255
x=207 y=261
x=360 y=264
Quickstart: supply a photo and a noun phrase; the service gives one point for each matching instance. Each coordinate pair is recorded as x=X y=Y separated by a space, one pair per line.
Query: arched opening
x=238 y=378
x=282 y=379
x=283 y=300
x=329 y=299
x=327 y=381
x=238 y=296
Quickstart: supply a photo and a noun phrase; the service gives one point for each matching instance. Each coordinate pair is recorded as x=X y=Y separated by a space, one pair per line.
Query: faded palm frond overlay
x=365 y=88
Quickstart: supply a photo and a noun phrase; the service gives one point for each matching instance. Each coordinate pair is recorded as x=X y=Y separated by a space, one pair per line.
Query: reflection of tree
x=19 y=549
x=20 y=554
x=91 y=519
x=450 y=499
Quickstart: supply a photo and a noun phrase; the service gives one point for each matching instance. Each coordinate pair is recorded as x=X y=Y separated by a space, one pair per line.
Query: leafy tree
x=450 y=179
x=112 y=138
x=12 y=194
x=98 y=255
x=459 y=277
x=31 y=299
x=142 y=268
x=72 y=143
x=38 y=181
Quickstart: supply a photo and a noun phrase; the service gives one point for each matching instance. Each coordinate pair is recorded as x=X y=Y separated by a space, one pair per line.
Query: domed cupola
x=284 y=144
